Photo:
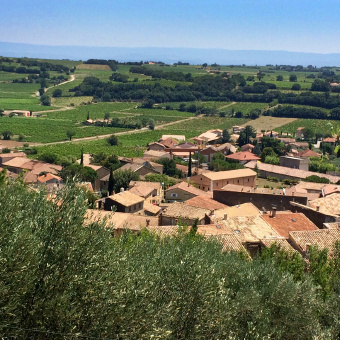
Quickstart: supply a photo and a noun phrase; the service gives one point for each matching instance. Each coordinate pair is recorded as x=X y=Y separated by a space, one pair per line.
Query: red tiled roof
x=189 y=188
x=309 y=153
x=287 y=222
x=243 y=156
x=329 y=140
x=48 y=177
x=205 y=203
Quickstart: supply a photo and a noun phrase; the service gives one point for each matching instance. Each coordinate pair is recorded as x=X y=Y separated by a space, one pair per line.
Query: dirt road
x=37 y=94
x=130 y=132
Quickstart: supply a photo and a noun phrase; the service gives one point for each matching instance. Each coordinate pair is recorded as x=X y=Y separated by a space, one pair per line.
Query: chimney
x=225 y=217
x=273 y=212
x=148 y=222
x=317 y=208
x=121 y=189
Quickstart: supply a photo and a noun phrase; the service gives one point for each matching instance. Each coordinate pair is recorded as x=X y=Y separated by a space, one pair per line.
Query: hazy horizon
x=300 y=26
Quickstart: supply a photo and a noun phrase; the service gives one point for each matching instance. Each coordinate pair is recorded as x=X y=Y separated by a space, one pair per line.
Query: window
x=217 y=184
x=174 y=195
x=238 y=181
x=248 y=179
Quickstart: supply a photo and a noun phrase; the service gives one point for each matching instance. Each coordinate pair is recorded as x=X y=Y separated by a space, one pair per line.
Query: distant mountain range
x=170 y=55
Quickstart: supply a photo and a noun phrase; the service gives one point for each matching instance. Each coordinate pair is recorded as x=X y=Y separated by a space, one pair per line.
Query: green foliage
x=5 y=150
x=57 y=93
x=285 y=261
x=48 y=157
x=122 y=178
x=79 y=173
x=169 y=167
x=61 y=277
x=7 y=134
x=225 y=136
x=219 y=163
x=70 y=134
x=113 y=140
x=327 y=148
x=267 y=151
x=166 y=180
x=45 y=100
x=316 y=179
x=270 y=159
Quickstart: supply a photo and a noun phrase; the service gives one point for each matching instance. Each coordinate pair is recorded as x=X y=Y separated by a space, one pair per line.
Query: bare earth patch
x=268 y=123
x=12 y=144
x=93 y=67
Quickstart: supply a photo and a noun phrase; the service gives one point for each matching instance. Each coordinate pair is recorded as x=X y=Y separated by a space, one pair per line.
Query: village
x=230 y=205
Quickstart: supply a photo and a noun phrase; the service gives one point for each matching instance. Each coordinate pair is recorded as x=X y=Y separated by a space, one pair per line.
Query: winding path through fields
x=72 y=78
x=129 y=132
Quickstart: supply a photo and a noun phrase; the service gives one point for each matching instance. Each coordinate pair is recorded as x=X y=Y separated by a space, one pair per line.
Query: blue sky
x=299 y=25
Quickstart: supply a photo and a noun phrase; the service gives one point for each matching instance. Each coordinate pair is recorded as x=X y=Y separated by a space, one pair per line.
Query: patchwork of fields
x=69 y=112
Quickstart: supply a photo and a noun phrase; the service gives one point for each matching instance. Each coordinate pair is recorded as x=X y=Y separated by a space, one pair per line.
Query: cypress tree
x=88 y=115
x=110 y=185
x=189 y=166
x=82 y=156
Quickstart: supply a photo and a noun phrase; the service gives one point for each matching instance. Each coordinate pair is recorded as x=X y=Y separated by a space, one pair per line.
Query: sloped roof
x=155 y=154
x=142 y=190
x=126 y=198
x=245 y=209
x=329 y=205
x=309 y=153
x=249 y=228
x=47 y=177
x=323 y=238
x=282 y=243
x=247 y=146
x=178 y=137
x=329 y=140
x=12 y=155
x=282 y=170
x=205 y=202
x=229 y=242
x=220 y=175
x=268 y=191
x=168 y=142
x=152 y=208
x=154 y=185
x=185 y=186
x=179 y=209
x=284 y=223
x=243 y=156
x=119 y=220
x=183 y=168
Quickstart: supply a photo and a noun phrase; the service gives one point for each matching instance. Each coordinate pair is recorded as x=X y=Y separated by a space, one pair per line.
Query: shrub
x=112 y=140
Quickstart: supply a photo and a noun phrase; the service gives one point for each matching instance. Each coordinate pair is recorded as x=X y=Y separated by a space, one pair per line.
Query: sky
x=285 y=25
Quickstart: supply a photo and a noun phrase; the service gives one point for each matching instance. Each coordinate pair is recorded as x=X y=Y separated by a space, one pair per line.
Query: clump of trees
x=51 y=266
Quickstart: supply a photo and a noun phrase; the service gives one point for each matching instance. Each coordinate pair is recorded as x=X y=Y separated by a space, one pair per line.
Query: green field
x=131 y=144
x=316 y=125
x=72 y=111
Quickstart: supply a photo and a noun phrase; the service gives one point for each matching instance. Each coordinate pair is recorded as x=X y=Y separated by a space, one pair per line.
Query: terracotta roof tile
x=243 y=156
x=205 y=202
x=219 y=175
x=188 y=188
x=282 y=170
x=126 y=198
x=179 y=209
x=323 y=238
x=284 y=223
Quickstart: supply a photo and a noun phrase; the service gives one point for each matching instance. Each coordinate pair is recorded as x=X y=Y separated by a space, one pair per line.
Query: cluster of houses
x=228 y=205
